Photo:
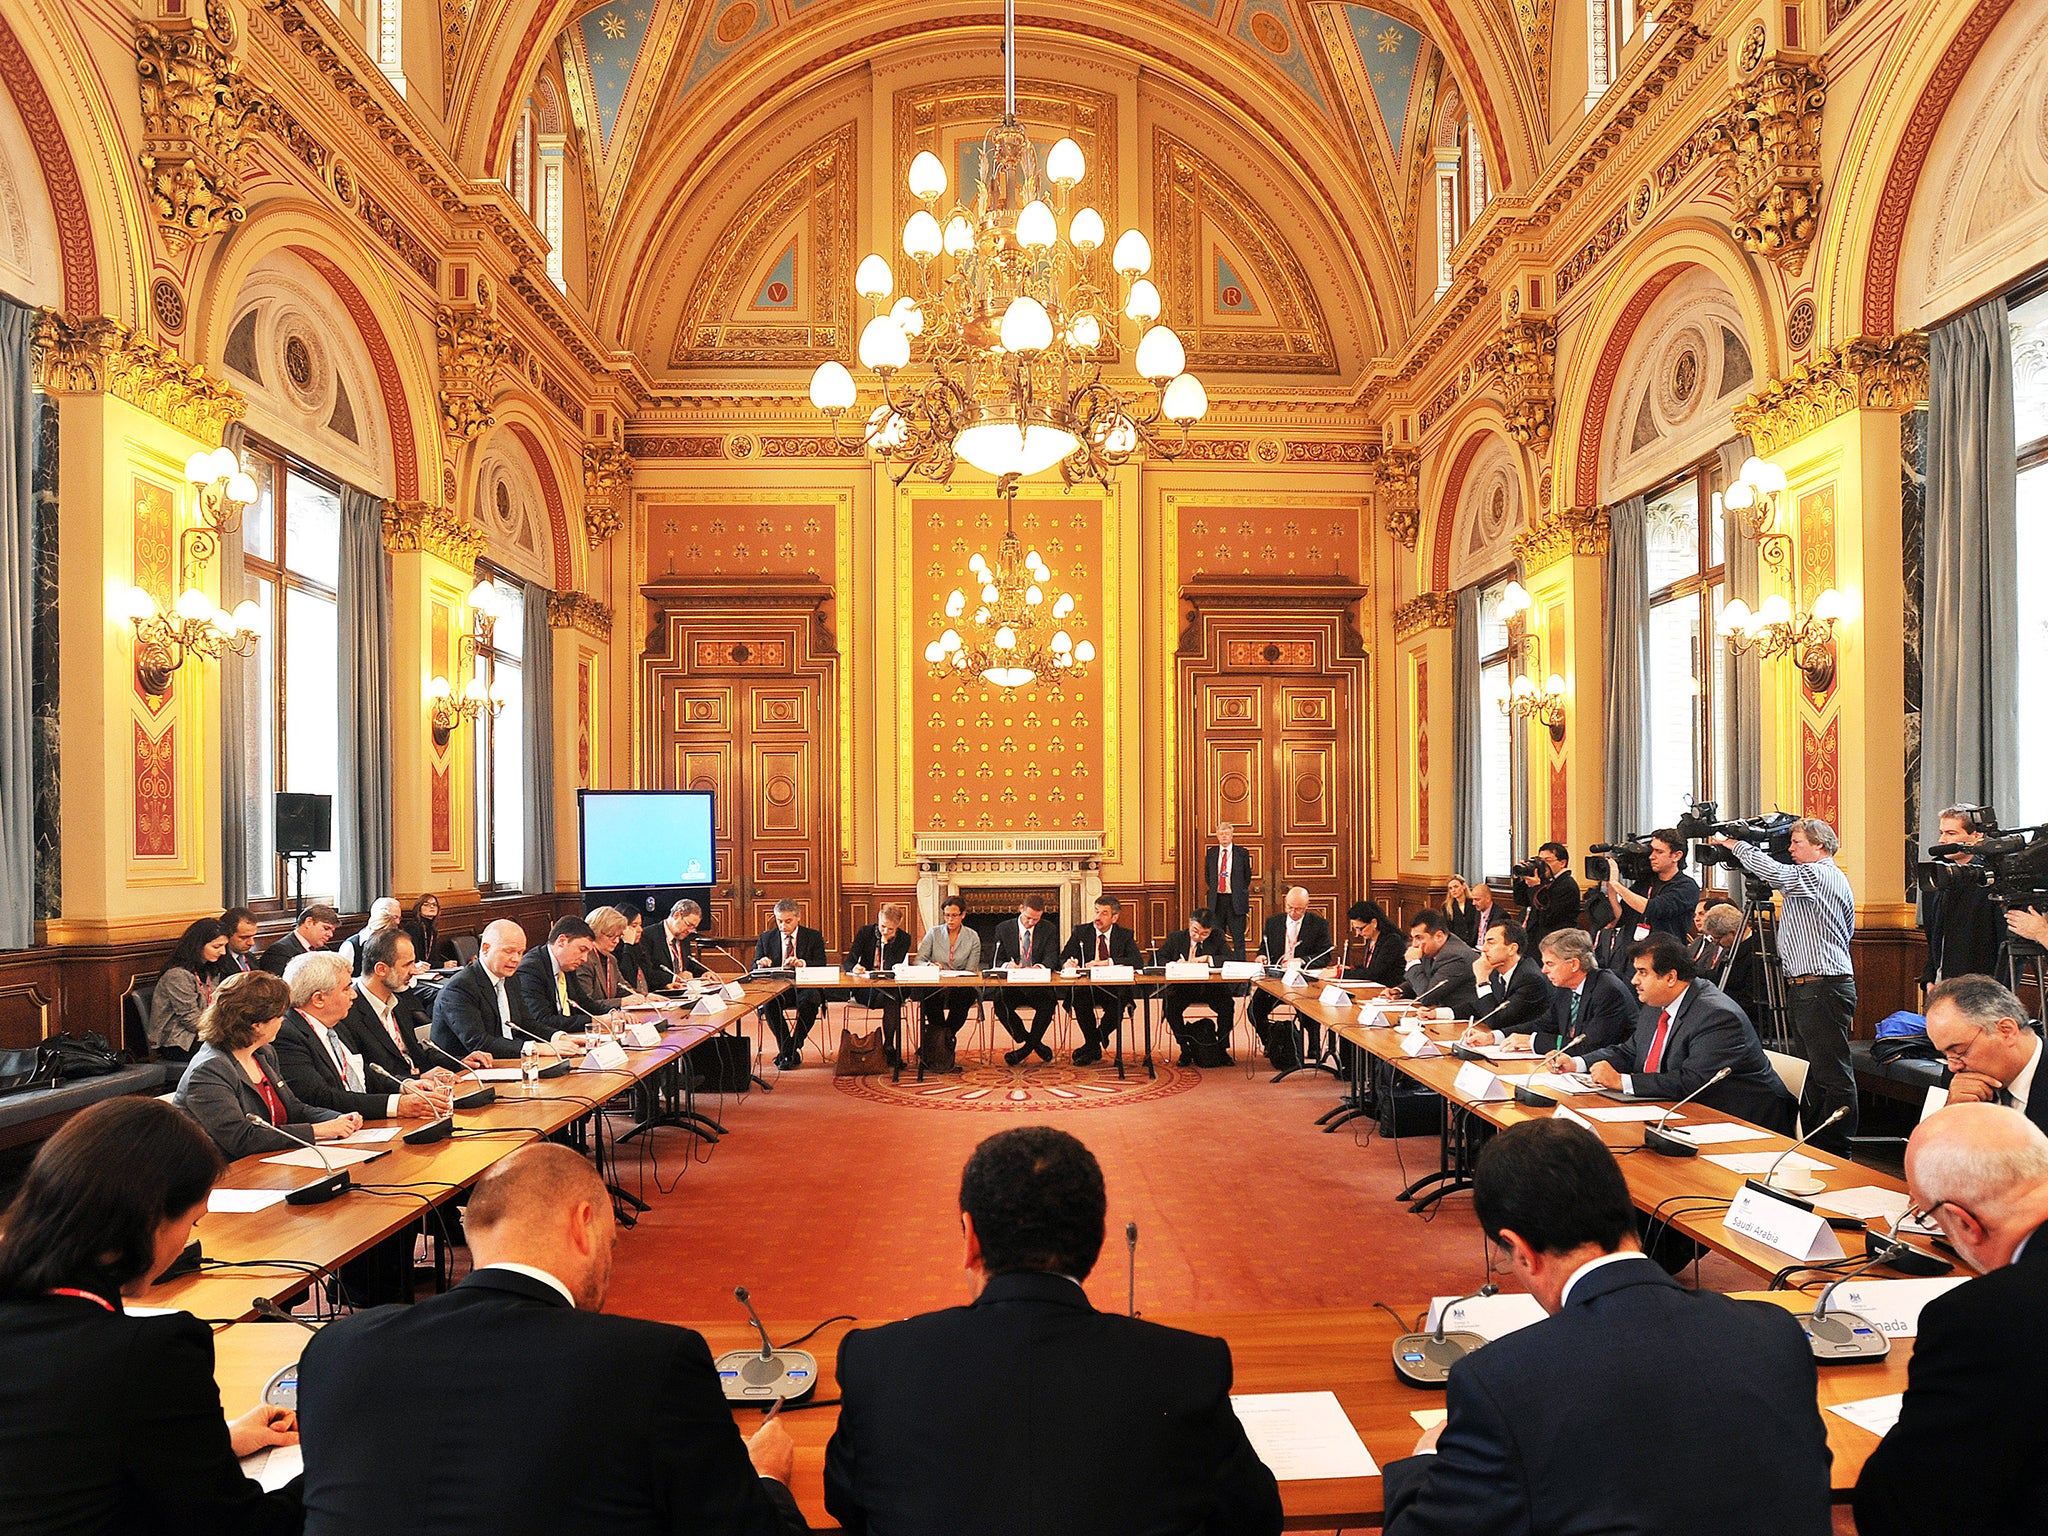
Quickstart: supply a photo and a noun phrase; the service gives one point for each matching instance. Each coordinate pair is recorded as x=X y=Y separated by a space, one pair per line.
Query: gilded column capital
x=420 y=527
x=97 y=355
x=582 y=612
x=1400 y=490
x=199 y=115
x=1768 y=144
x=1864 y=373
x=472 y=349
x=1568 y=531
x=1432 y=610
x=607 y=472
x=1527 y=350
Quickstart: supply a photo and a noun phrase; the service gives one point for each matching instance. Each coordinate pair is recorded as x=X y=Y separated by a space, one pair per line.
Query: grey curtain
x=235 y=788
x=17 y=618
x=538 y=658
x=1467 y=835
x=1743 y=794
x=1969 y=724
x=364 y=814
x=1628 y=636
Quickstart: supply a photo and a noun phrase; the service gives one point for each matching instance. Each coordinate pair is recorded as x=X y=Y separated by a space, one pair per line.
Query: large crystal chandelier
x=1006 y=329
x=1014 y=635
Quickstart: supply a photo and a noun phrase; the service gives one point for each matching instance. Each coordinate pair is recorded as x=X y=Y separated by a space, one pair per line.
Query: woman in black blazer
x=630 y=956
x=423 y=927
x=236 y=1075
x=111 y=1424
x=1459 y=913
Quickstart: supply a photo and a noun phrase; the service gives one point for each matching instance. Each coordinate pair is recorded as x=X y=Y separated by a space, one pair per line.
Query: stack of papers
x=1502 y=1053
x=1491 y=1317
x=1892 y=1307
x=339 y=1157
x=1548 y=1082
x=274 y=1466
x=1750 y=1163
x=1876 y=1414
x=369 y=1136
x=1707 y=1135
x=1866 y=1202
x=1631 y=1112
x=1303 y=1435
x=242 y=1200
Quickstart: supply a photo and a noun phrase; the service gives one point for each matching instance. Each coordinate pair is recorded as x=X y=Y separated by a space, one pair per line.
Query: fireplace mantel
x=1066 y=864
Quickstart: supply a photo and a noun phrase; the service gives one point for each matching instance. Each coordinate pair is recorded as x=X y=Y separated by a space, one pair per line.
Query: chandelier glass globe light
x=1011 y=630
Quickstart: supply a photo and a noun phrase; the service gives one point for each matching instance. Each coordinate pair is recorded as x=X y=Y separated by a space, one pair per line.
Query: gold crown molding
x=97 y=355
x=581 y=612
x=1400 y=488
x=1768 y=146
x=472 y=349
x=1527 y=355
x=1569 y=531
x=1432 y=610
x=199 y=116
x=1864 y=373
x=607 y=475
x=420 y=527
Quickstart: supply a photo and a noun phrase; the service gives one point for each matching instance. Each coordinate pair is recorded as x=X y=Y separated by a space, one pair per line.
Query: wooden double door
x=739 y=699
x=1274 y=729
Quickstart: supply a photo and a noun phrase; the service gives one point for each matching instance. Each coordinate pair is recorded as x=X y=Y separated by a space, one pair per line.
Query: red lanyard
x=66 y=1290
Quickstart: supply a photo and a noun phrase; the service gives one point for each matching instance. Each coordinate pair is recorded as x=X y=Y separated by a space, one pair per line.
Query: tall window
x=388 y=41
x=2029 y=322
x=1688 y=696
x=1497 y=787
x=291 y=554
x=500 y=742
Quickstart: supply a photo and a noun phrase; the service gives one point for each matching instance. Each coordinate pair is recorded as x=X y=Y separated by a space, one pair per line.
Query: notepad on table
x=1876 y=1414
x=274 y=1465
x=496 y=1074
x=1630 y=1112
x=368 y=1136
x=1303 y=1435
x=337 y=1157
x=231 y=1200
x=1708 y=1135
x=1491 y=1317
x=1762 y=1162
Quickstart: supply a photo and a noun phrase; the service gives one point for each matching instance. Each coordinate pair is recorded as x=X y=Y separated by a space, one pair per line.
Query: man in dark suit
x=1227 y=876
x=1590 y=1009
x=239 y=924
x=1202 y=939
x=1102 y=942
x=1635 y=1405
x=877 y=949
x=1965 y=931
x=1510 y=992
x=381 y=1026
x=1293 y=934
x=993 y=1418
x=1688 y=1031
x=785 y=946
x=671 y=949
x=478 y=1008
x=1439 y=966
x=1981 y=1356
x=1026 y=940
x=319 y=1064
x=501 y=1456
x=315 y=931
x=1549 y=898
x=542 y=977
x=1993 y=1054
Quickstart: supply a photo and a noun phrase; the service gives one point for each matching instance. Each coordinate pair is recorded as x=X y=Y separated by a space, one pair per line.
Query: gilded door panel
x=1234 y=788
x=782 y=711
x=1227 y=708
x=1308 y=709
x=1307 y=806
x=693 y=709
x=780 y=777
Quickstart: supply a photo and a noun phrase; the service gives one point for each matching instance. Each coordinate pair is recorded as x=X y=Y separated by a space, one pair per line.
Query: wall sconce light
x=1754 y=499
x=1775 y=630
x=196 y=625
x=452 y=707
x=1523 y=702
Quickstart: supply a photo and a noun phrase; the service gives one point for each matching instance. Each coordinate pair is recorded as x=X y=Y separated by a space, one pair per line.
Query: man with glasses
x=1991 y=1049
x=1965 y=1453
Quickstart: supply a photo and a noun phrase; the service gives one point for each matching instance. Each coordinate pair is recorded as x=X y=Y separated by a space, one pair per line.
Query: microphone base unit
x=1843 y=1338
x=1664 y=1144
x=1776 y=1193
x=432 y=1131
x=1535 y=1100
x=1796 y=1184
x=1908 y=1260
x=1465 y=1053
x=782 y=1375
x=553 y=1069
x=320 y=1191
x=1425 y=1359
x=186 y=1263
x=476 y=1098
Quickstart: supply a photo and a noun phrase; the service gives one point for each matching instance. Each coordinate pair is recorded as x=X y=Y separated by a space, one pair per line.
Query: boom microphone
x=1131 y=1268
x=561 y=1066
x=1808 y=1185
x=769 y=1375
x=1657 y=1139
x=483 y=1093
x=264 y=1307
x=440 y=1128
x=320 y=1190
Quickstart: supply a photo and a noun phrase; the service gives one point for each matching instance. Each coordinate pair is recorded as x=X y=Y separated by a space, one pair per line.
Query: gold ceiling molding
x=607 y=473
x=472 y=348
x=199 y=116
x=821 y=182
x=1569 y=531
x=1864 y=373
x=420 y=527
x=1189 y=188
x=581 y=612
x=1400 y=487
x=1527 y=355
x=97 y=355
x=1768 y=147
x=455 y=16
x=1432 y=610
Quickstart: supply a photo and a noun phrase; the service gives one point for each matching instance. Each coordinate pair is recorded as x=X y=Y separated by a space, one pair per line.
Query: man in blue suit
x=1636 y=1405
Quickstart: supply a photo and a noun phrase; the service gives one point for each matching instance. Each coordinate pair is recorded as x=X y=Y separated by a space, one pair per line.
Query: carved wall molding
x=1864 y=373
x=1570 y=531
x=199 y=116
x=607 y=475
x=1400 y=488
x=472 y=349
x=581 y=612
x=1528 y=359
x=420 y=527
x=1768 y=146
x=1432 y=610
x=97 y=355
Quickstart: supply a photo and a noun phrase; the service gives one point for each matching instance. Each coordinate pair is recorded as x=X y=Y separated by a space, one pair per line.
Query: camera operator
x=2028 y=925
x=1547 y=893
x=1964 y=934
x=1814 y=926
x=1666 y=900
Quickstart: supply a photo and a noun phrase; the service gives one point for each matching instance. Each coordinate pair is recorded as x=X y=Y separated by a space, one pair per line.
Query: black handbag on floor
x=722 y=1065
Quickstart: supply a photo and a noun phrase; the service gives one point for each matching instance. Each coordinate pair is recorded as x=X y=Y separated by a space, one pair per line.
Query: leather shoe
x=1043 y=1050
x=1087 y=1055
x=1016 y=1058
x=788 y=1061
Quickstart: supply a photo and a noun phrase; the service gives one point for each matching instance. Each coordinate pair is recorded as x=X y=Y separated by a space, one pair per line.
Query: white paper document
x=1708 y=1135
x=1545 y=1082
x=1429 y=1418
x=1303 y=1435
x=242 y=1200
x=1760 y=1162
x=338 y=1157
x=497 y=1074
x=1502 y=1053
x=1491 y=1317
x=1892 y=1307
x=1866 y=1202
x=1629 y=1112
x=369 y=1136
x=1876 y=1414
x=274 y=1466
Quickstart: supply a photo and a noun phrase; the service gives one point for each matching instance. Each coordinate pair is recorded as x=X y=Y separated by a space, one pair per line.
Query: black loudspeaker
x=305 y=823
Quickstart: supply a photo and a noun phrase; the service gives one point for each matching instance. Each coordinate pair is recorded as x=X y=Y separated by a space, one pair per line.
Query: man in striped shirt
x=1814 y=924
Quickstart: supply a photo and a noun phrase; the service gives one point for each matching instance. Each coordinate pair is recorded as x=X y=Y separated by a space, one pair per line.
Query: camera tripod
x=1757 y=909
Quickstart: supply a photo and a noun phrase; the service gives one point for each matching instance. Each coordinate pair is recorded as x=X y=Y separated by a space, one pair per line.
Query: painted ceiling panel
x=608 y=40
x=1387 y=52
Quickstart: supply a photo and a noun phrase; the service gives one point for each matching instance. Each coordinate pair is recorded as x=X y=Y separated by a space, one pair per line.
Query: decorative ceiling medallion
x=168 y=305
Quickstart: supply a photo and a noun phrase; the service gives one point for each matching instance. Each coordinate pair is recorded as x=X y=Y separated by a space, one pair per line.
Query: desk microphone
x=320 y=1190
x=1131 y=1268
x=561 y=1062
x=1448 y=981
x=1524 y=1094
x=1847 y=1338
x=481 y=1095
x=264 y=1307
x=766 y=1375
x=1425 y=1359
x=1657 y=1139
x=437 y=1129
x=1792 y=1184
x=1465 y=1052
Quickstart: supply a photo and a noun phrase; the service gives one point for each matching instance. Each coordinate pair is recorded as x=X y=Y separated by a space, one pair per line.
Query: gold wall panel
x=1237 y=783
x=778 y=785
x=1307 y=864
x=1268 y=536
x=703 y=711
x=719 y=536
x=792 y=867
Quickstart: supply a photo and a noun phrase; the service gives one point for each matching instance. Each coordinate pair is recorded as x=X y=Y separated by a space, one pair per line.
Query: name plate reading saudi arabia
x=1031 y=973
x=817 y=975
x=1334 y=996
x=1476 y=1085
x=1187 y=970
x=1115 y=973
x=917 y=973
x=1419 y=1044
x=642 y=1036
x=1242 y=970
x=605 y=1056
x=1774 y=1223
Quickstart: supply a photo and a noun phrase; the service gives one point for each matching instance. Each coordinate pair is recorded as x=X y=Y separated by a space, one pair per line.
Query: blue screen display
x=638 y=838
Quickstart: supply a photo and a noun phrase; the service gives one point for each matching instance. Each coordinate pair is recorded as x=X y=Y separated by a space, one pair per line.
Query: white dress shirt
x=1564 y=1297
x=532 y=1274
x=2021 y=1089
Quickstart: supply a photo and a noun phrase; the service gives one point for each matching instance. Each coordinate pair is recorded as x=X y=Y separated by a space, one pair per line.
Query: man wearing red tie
x=1228 y=874
x=1091 y=946
x=671 y=950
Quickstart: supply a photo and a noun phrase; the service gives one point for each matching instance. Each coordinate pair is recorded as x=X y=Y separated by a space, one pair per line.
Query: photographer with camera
x=1664 y=902
x=1815 y=923
x=1964 y=934
x=1546 y=892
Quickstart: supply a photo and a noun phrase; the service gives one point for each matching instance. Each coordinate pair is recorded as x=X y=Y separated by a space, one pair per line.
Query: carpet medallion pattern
x=1045 y=1089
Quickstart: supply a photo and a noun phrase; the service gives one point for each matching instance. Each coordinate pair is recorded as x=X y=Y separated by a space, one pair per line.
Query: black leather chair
x=135 y=1019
